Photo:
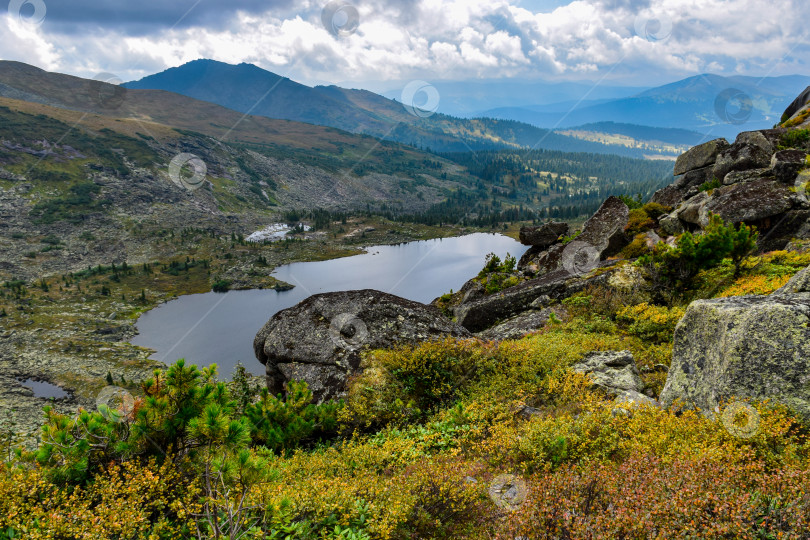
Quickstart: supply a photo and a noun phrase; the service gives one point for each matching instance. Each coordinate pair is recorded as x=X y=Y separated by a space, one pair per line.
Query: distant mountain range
x=710 y=104
x=469 y=99
x=251 y=90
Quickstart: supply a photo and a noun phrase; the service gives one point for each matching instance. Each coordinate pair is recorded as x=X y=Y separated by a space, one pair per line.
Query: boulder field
x=745 y=347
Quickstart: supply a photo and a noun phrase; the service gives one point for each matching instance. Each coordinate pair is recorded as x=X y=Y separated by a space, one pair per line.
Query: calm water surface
x=219 y=328
x=43 y=389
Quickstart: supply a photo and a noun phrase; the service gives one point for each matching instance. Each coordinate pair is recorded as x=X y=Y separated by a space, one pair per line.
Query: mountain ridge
x=247 y=88
x=707 y=103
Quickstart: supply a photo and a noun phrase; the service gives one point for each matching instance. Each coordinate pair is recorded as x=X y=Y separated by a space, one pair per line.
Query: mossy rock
x=747 y=347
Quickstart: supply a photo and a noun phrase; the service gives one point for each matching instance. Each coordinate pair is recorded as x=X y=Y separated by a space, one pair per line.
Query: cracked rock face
x=754 y=347
x=751 y=201
x=320 y=340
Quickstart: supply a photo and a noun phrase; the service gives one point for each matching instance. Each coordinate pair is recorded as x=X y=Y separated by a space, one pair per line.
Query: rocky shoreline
x=83 y=341
x=749 y=347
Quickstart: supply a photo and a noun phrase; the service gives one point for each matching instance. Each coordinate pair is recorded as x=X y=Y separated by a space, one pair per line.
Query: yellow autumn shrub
x=651 y=322
x=125 y=501
x=758 y=284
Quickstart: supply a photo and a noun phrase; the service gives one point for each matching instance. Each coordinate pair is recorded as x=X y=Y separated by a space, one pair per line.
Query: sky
x=366 y=43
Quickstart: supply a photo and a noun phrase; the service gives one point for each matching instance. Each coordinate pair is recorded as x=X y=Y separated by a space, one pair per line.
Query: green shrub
x=409 y=383
x=494 y=264
x=638 y=222
x=652 y=323
x=795 y=138
x=283 y=424
x=637 y=248
x=497 y=275
x=656 y=210
x=182 y=410
x=710 y=185
x=676 y=267
x=221 y=285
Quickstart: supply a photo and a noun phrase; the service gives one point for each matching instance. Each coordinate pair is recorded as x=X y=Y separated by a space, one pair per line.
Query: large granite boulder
x=797 y=105
x=700 y=156
x=694 y=179
x=605 y=229
x=613 y=372
x=692 y=211
x=786 y=164
x=754 y=347
x=751 y=201
x=751 y=150
x=520 y=325
x=668 y=196
x=616 y=374
x=320 y=340
x=544 y=235
x=748 y=175
x=777 y=232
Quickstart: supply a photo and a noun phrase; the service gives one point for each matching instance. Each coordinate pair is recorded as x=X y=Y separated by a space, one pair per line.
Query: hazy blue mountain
x=709 y=104
x=706 y=104
x=470 y=98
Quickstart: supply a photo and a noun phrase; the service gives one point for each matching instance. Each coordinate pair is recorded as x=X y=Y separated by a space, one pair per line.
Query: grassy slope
x=426 y=431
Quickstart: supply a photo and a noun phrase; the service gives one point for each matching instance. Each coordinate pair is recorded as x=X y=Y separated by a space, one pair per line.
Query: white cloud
x=24 y=42
x=454 y=39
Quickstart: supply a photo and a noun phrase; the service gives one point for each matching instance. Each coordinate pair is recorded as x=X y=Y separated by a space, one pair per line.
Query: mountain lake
x=220 y=327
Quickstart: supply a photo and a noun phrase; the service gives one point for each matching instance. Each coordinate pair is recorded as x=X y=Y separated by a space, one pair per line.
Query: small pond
x=219 y=328
x=43 y=389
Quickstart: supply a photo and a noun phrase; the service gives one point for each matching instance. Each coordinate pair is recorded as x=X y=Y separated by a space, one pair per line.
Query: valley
x=364 y=320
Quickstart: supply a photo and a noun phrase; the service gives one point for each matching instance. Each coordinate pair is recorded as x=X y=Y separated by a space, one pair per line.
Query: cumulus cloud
x=627 y=40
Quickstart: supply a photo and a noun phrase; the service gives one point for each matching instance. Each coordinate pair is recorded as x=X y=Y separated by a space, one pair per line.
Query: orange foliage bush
x=645 y=497
x=755 y=285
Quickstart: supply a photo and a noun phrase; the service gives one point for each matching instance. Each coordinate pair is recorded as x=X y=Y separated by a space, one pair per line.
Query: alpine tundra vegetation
x=620 y=205
x=662 y=392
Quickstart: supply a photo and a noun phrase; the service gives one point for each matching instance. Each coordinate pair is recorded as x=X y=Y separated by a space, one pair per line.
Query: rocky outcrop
x=751 y=150
x=519 y=326
x=602 y=236
x=700 y=156
x=544 y=235
x=797 y=105
x=667 y=196
x=750 y=202
x=605 y=229
x=754 y=347
x=613 y=372
x=786 y=164
x=320 y=340
x=485 y=312
x=752 y=181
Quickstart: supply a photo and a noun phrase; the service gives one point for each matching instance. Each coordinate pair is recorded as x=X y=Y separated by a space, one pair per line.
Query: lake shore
x=75 y=331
